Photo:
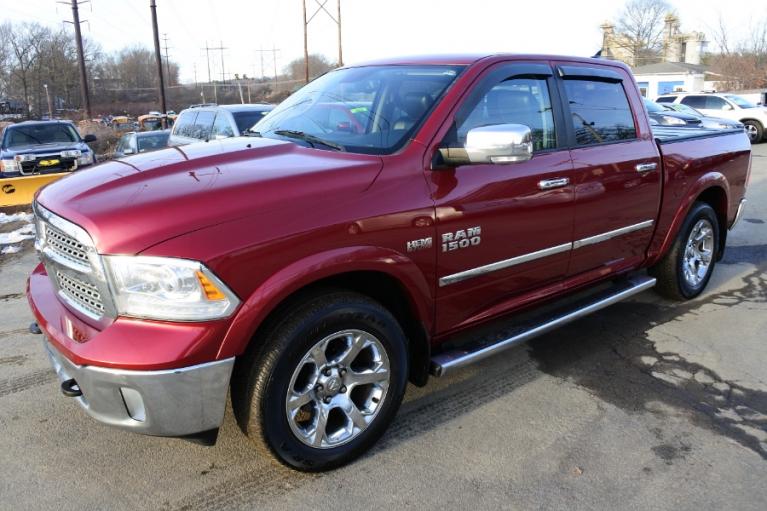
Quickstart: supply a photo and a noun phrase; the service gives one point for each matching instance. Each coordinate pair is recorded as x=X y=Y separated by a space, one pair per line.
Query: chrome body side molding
x=599 y=238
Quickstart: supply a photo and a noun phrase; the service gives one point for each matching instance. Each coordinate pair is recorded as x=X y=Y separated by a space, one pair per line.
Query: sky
x=371 y=28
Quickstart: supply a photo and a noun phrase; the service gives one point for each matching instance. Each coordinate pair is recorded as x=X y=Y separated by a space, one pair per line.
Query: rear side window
x=203 y=125
x=184 y=124
x=222 y=128
x=600 y=112
x=694 y=101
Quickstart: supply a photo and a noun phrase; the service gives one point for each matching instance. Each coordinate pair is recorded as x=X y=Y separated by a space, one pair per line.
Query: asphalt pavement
x=648 y=404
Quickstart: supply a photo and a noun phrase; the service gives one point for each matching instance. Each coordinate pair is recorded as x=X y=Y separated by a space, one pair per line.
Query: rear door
x=503 y=229
x=617 y=168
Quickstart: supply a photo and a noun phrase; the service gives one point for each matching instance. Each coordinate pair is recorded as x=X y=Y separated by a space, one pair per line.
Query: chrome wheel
x=752 y=132
x=337 y=389
x=698 y=253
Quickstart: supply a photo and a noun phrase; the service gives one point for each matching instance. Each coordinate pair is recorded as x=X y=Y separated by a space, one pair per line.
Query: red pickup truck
x=312 y=267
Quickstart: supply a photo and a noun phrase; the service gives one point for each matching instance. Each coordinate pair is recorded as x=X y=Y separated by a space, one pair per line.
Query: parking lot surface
x=648 y=404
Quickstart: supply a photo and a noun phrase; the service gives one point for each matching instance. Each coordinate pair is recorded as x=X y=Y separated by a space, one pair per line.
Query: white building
x=664 y=77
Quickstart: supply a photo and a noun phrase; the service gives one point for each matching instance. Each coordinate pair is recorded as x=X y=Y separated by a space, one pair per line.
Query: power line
x=274 y=52
x=336 y=19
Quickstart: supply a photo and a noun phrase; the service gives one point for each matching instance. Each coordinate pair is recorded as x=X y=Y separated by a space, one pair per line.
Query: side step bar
x=447 y=361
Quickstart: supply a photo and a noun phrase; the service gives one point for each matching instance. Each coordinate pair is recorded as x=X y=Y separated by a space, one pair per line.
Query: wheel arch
x=383 y=275
x=713 y=189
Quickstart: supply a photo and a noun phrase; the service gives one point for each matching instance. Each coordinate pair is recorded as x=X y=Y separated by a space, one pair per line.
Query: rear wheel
x=754 y=130
x=685 y=270
x=325 y=384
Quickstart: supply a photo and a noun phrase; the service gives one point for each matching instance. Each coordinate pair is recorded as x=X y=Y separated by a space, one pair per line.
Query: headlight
x=9 y=165
x=167 y=289
x=25 y=157
x=85 y=158
x=70 y=154
x=673 y=121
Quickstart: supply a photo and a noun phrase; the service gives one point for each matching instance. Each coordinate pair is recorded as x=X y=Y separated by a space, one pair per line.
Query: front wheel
x=686 y=269
x=754 y=130
x=326 y=383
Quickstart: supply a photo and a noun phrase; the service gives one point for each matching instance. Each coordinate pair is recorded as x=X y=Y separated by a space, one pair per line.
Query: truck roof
x=465 y=59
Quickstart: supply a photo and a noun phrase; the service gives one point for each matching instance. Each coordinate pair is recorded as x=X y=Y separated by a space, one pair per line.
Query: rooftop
x=669 y=68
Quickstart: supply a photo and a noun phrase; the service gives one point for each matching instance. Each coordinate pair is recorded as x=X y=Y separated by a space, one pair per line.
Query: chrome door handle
x=548 y=184
x=646 y=167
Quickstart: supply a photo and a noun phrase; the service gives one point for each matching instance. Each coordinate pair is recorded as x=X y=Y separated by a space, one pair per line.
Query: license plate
x=48 y=163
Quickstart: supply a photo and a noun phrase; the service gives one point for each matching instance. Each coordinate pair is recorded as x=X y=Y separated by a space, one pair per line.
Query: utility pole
x=336 y=19
x=81 y=60
x=207 y=58
x=167 y=60
x=340 y=48
x=274 y=52
x=158 y=57
x=221 y=50
x=50 y=105
x=306 y=44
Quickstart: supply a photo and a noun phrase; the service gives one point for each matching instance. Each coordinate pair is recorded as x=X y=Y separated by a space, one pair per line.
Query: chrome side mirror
x=499 y=143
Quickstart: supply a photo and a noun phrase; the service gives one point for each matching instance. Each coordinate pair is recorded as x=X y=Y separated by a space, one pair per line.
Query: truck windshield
x=41 y=134
x=371 y=110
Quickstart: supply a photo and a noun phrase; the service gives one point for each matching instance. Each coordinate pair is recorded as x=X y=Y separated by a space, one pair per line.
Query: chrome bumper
x=172 y=402
x=739 y=213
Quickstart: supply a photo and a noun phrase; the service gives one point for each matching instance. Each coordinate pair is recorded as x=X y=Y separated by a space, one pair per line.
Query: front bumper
x=173 y=402
x=149 y=377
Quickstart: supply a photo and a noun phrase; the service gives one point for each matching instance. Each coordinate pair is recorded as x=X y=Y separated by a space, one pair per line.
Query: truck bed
x=668 y=134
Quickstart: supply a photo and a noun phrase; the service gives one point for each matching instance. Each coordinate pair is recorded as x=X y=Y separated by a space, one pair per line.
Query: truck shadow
x=611 y=355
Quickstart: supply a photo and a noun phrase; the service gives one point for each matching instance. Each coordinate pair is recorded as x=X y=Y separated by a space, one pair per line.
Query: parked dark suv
x=43 y=147
x=206 y=122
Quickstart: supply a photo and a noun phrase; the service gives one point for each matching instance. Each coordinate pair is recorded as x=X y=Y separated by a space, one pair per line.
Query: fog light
x=133 y=404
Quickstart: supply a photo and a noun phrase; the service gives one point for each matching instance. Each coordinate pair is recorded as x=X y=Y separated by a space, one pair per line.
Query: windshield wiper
x=313 y=141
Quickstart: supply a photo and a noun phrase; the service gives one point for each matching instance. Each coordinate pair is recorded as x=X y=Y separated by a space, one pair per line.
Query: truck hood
x=130 y=204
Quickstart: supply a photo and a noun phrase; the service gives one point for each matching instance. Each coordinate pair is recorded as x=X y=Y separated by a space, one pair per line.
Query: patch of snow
x=11 y=249
x=22 y=233
x=15 y=217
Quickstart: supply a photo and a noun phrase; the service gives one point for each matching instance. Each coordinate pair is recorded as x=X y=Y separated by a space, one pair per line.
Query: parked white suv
x=729 y=106
x=209 y=122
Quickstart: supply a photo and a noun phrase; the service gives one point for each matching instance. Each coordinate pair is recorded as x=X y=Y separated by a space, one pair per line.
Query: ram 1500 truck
x=364 y=226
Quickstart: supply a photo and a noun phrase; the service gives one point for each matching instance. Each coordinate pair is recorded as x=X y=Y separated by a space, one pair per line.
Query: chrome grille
x=65 y=246
x=73 y=265
x=81 y=293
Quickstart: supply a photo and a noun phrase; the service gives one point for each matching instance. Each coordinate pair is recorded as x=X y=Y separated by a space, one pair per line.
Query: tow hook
x=34 y=328
x=70 y=388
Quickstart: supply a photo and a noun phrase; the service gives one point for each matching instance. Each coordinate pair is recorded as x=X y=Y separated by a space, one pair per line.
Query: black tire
x=755 y=131
x=261 y=379
x=670 y=271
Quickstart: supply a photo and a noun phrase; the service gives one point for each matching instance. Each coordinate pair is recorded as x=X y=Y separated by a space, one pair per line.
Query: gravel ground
x=646 y=405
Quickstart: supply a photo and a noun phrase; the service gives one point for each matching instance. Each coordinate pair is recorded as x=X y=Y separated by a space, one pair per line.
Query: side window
x=184 y=124
x=203 y=125
x=514 y=101
x=600 y=112
x=222 y=128
x=665 y=99
x=122 y=144
x=695 y=101
x=715 y=103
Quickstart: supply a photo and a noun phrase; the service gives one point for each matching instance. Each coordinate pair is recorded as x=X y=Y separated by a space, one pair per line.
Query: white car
x=728 y=106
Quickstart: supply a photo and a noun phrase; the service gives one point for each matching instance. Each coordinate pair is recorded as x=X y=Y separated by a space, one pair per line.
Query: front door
x=502 y=229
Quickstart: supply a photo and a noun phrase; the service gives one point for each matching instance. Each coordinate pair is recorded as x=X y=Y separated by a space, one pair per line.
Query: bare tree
x=318 y=65
x=640 y=29
x=741 y=62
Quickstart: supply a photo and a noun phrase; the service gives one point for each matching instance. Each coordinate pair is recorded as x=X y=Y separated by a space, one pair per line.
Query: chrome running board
x=447 y=361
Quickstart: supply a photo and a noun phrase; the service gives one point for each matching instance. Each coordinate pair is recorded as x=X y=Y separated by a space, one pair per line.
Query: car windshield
x=741 y=102
x=246 y=120
x=41 y=134
x=371 y=110
x=153 y=141
x=685 y=109
x=652 y=106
